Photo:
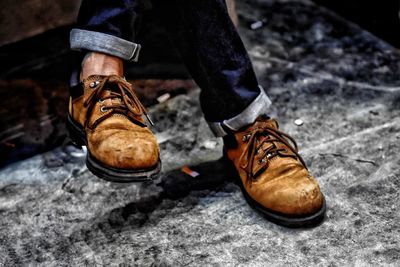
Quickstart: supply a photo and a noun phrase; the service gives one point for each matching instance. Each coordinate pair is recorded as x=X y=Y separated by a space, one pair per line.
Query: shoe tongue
x=112 y=81
x=92 y=78
x=111 y=85
x=268 y=122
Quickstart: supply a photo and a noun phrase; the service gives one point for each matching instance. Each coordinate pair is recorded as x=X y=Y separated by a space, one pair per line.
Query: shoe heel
x=74 y=134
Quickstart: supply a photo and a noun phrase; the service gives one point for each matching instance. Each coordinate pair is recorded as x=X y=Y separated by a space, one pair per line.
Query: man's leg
x=102 y=64
x=215 y=56
x=109 y=28
x=104 y=112
x=273 y=176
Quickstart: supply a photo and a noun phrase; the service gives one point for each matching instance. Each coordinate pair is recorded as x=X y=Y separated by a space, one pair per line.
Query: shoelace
x=256 y=138
x=129 y=105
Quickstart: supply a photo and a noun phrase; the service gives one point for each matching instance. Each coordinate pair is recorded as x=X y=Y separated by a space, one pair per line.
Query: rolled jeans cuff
x=258 y=107
x=104 y=43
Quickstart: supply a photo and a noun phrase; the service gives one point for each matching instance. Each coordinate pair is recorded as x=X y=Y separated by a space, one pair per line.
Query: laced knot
x=128 y=103
x=255 y=139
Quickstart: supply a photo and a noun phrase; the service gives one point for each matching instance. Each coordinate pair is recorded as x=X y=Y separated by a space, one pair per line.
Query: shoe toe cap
x=299 y=197
x=126 y=150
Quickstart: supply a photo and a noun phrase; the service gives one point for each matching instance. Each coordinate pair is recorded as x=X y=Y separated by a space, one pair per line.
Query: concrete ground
x=340 y=80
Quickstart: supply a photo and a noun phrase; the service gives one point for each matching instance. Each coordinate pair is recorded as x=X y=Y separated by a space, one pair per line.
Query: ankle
x=101 y=64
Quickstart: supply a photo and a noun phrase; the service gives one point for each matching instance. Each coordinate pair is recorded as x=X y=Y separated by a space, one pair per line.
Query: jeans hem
x=104 y=43
x=258 y=107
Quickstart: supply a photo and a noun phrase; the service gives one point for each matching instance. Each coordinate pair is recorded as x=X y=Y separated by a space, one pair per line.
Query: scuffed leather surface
x=117 y=141
x=285 y=186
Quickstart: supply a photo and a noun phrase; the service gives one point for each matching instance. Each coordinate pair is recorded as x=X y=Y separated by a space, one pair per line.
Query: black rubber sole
x=104 y=172
x=275 y=217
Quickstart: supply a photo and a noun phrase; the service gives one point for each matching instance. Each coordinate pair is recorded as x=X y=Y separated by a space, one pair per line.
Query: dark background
x=378 y=17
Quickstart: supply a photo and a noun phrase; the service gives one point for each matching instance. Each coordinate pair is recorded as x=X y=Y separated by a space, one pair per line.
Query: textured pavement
x=340 y=80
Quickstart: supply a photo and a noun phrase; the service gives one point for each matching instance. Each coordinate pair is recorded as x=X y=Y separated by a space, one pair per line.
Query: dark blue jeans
x=205 y=37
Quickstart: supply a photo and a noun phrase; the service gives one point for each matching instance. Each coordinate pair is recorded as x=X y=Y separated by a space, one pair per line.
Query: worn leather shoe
x=272 y=175
x=107 y=117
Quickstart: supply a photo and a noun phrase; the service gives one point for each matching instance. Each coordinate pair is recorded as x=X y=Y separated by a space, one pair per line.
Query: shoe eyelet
x=101 y=100
x=246 y=137
x=103 y=109
x=261 y=161
x=94 y=84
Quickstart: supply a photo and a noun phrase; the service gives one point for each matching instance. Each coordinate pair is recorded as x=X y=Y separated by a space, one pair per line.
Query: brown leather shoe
x=106 y=116
x=273 y=177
